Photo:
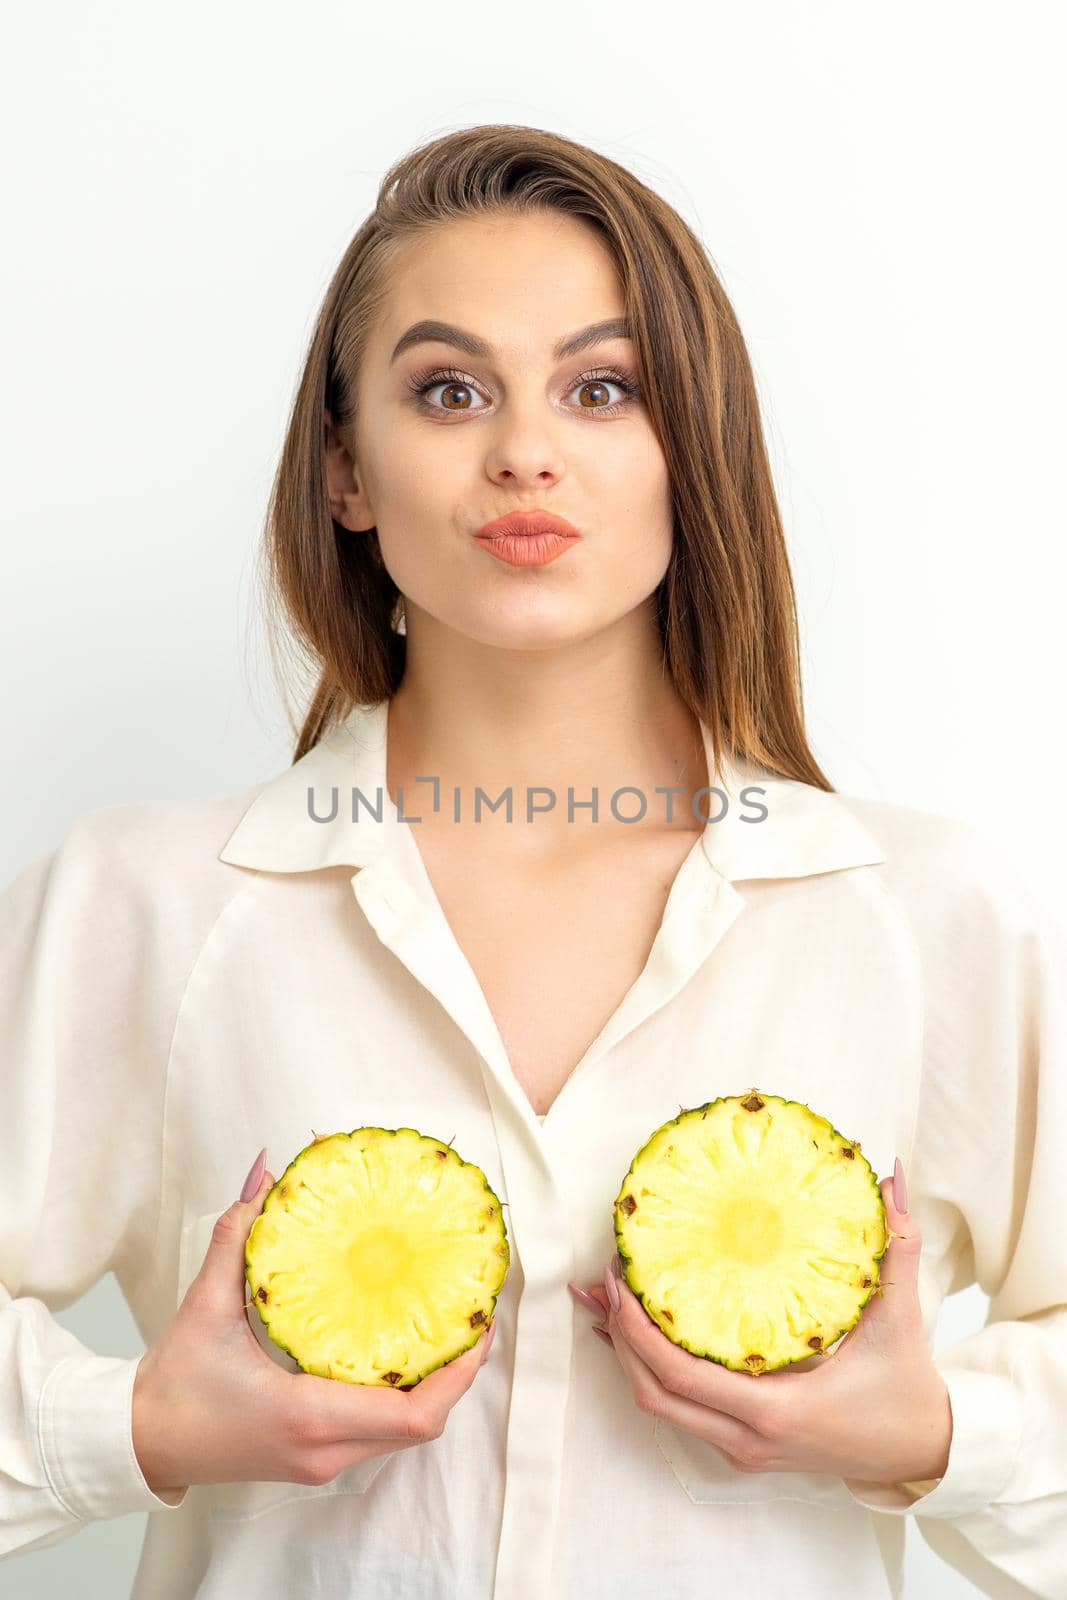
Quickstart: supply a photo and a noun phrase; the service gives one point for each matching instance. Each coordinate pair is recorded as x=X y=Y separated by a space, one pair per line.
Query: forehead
x=518 y=283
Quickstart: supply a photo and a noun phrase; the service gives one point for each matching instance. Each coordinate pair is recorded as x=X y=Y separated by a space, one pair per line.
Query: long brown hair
x=726 y=606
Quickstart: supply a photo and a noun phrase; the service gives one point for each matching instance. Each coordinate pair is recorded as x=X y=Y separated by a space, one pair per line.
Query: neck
x=596 y=714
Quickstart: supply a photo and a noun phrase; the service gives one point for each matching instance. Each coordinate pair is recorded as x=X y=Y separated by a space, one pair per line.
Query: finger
x=370 y=1411
x=220 y=1285
x=726 y=1433
x=905 y=1239
x=593 y=1300
x=743 y=1395
x=893 y=1310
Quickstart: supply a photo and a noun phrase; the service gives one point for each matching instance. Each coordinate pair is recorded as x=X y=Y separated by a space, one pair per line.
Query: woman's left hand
x=876 y=1409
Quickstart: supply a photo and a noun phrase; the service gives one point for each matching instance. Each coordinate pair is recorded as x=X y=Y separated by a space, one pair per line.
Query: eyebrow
x=430 y=331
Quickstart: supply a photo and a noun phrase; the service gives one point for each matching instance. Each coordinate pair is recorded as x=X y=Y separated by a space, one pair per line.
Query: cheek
x=636 y=488
x=427 y=482
x=414 y=494
x=647 y=518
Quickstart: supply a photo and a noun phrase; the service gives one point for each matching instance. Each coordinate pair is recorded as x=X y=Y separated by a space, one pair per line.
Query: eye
x=451 y=381
x=599 y=382
x=459 y=390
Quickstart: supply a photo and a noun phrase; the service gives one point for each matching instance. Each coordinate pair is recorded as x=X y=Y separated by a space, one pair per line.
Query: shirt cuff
x=85 y=1435
x=987 y=1426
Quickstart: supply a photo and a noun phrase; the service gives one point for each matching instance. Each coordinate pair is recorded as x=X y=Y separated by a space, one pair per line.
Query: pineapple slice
x=378 y=1256
x=751 y=1231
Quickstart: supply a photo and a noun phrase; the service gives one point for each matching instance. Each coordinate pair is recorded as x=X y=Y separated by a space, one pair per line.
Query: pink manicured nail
x=587 y=1300
x=255 y=1176
x=900 y=1188
x=612 y=1287
x=604 y=1334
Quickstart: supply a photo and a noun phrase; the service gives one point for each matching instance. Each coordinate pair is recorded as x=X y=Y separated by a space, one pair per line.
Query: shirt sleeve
x=991 y=1155
x=79 y=1187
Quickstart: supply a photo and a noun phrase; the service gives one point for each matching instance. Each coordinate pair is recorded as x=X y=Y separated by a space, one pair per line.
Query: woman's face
x=516 y=428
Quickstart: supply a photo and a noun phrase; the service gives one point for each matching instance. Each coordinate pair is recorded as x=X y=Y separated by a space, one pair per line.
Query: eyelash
x=422 y=382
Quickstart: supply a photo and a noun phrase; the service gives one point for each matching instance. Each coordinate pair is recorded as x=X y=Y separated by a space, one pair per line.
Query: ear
x=348 y=503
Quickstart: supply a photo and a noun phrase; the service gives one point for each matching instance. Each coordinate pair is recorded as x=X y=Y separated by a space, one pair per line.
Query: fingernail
x=900 y=1188
x=255 y=1176
x=598 y=1328
x=587 y=1300
x=487 y=1341
x=612 y=1287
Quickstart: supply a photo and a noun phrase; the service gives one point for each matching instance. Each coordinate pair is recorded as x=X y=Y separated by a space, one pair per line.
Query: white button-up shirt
x=182 y=984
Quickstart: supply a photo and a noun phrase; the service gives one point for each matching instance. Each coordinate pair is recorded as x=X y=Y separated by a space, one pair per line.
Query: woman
x=525 y=534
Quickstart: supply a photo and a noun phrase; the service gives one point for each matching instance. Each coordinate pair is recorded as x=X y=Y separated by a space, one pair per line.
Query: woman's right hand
x=210 y=1406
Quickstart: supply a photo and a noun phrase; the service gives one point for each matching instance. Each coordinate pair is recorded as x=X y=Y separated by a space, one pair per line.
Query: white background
x=879 y=190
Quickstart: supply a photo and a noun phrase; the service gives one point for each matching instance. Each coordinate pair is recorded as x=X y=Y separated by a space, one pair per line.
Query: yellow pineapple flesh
x=378 y=1256
x=752 y=1231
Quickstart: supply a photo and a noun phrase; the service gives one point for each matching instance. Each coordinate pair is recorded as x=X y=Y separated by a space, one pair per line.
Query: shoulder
x=155 y=841
x=127 y=860
x=951 y=875
x=917 y=841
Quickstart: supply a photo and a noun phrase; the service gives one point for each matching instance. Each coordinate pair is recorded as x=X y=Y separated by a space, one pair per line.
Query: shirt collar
x=806 y=830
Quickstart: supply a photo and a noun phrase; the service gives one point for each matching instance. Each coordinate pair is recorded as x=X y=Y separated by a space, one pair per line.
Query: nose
x=522 y=451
